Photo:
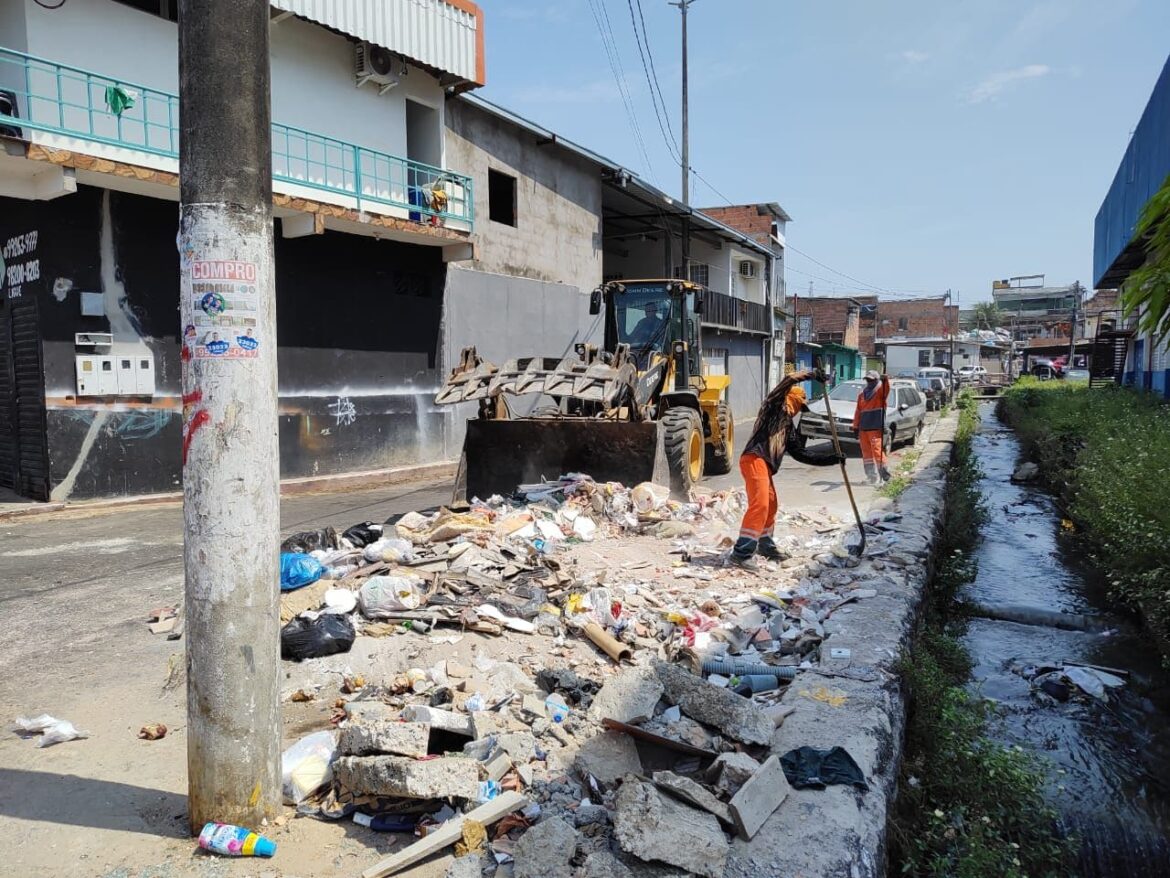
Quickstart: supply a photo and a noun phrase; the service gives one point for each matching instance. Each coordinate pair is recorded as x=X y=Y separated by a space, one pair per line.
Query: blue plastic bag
x=298 y=570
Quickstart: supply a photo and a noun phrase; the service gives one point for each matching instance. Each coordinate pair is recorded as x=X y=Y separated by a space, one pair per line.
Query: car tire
x=916 y=435
x=888 y=441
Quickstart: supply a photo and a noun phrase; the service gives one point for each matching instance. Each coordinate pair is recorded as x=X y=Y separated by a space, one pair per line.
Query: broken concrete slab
x=652 y=826
x=370 y=711
x=603 y=864
x=693 y=793
x=470 y=866
x=759 y=797
x=544 y=851
x=627 y=696
x=730 y=771
x=520 y=746
x=368 y=738
x=735 y=716
x=485 y=723
x=458 y=723
x=609 y=757
x=409 y=778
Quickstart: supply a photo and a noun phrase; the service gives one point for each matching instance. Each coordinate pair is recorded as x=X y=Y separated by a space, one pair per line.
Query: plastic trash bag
x=388 y=549
x=361 y=535
x=307 y=766
x=383 y=596
x=52 y=730
x=298 y=570
x=340 y=600
x=311 y=540
x=328 y=634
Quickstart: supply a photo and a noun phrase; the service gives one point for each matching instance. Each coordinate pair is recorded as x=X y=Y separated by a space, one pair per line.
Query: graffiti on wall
x=343 y=410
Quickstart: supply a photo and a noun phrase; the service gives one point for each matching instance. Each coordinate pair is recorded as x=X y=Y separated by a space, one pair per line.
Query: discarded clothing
x=809 y=769
x=312 y=540
x=119 y=99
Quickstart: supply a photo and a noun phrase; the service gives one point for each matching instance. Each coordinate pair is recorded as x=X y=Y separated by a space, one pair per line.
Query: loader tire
x=719 y=456
x=683 y=437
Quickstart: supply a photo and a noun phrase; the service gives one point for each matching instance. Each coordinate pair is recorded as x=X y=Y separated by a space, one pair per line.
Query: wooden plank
x=447 y=834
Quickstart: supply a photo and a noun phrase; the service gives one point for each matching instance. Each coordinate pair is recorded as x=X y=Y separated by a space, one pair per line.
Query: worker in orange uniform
x=759 y=463
x=869 y=423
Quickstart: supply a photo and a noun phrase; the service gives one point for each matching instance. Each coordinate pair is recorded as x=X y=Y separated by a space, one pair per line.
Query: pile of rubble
x=526 y=767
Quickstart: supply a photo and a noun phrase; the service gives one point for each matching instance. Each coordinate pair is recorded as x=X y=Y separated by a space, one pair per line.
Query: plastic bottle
x=558 y=710
x=235 y=841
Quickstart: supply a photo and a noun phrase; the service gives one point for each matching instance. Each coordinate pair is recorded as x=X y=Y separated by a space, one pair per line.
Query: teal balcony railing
x=75 y=103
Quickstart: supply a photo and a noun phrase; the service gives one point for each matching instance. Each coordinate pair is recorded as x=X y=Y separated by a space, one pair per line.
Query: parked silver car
x=905 y=414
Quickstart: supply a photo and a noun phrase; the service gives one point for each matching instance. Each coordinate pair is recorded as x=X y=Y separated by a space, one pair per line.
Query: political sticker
x=212 y=303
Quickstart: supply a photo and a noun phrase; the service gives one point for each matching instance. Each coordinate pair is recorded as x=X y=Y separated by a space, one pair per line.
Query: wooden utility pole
x=231 y=470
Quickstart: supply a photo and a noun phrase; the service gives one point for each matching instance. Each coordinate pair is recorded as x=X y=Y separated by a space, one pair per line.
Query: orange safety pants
x=871 y=447
x=760 y=518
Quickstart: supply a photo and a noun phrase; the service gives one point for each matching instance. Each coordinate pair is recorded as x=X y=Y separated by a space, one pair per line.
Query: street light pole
x=231 y=477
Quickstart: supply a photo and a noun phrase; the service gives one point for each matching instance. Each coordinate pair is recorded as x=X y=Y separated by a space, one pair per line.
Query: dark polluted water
x=1108 y=764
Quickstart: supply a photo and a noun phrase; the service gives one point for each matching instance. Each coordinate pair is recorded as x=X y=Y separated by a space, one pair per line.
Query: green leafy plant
x=1147 y=290
x=1105 y=452
x=987 y=315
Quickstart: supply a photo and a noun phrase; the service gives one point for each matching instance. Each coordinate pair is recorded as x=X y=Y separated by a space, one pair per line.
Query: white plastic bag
x=648 y=496
x=340 y=600
x=388 y=549
x=382 y=596
x=53 y=730
x=307 y=766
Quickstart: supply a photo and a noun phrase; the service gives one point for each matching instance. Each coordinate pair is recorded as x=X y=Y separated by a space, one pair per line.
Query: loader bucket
x=501 y=455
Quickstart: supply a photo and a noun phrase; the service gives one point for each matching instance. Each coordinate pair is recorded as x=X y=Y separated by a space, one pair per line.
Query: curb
x=838 y=830
x=340 y=483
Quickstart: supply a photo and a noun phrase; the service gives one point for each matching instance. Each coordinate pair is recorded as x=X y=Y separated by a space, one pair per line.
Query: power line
x=650 y=83
x=654 y=75
x=623 y=91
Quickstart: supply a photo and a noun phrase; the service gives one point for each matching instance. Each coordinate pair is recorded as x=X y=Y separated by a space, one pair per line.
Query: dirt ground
x=75 y=592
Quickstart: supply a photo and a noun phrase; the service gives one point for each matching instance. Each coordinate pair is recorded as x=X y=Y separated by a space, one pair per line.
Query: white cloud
x=991 y=88
x=913 y=56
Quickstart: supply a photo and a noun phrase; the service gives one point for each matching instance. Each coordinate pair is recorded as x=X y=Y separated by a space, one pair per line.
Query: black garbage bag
x=312 y=540
x=331 y=633
x=361 y=535
x=809 y=768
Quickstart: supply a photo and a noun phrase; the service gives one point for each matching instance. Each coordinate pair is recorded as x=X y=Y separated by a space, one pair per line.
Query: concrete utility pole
x=1072 y=328
x=231 y=471
x=683 y=5
x=954 y=329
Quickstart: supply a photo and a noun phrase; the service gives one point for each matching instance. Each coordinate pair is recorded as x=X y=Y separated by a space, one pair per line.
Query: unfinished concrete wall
x=557 y=206
x=507 y=317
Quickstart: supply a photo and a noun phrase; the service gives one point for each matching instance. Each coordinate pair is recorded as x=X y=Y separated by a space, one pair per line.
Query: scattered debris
x=809 y=768
x=659 y=828
x=1025 y=472
x=152 y=732
x=51 y=730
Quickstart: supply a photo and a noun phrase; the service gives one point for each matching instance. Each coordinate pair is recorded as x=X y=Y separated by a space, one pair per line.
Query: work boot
x=871 y=472
x=885 y=474
x=745 y=562
x=741 y=554
x=771 y=551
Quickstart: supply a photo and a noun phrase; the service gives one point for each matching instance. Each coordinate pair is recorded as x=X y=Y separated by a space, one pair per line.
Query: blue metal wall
x=1143 y=169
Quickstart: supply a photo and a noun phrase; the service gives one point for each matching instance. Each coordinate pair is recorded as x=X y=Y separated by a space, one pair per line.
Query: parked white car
x=972 y=374
x=905 y=414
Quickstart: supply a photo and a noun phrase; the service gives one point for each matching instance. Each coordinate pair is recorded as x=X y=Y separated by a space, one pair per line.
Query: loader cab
x=651 y=317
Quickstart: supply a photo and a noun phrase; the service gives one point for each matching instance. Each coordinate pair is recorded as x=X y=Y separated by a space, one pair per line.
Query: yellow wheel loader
x=642 y=408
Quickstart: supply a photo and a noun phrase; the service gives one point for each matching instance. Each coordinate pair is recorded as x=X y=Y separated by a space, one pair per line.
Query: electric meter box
x=135 y=374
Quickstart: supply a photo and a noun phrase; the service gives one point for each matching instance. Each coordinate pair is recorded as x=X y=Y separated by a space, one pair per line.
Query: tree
x=988 y=315
x=1148 y=288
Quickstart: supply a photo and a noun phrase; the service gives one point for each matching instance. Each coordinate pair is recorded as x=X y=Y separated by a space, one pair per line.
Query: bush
x=1105 y=452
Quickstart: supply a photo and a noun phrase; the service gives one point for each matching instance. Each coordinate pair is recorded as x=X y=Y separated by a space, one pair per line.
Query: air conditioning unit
x=747 y=269
x=372 y=63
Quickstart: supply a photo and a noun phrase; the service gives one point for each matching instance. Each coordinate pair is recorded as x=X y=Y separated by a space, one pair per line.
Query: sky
x=918 y=146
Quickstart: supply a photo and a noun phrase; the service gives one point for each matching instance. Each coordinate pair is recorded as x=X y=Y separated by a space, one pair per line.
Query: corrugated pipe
x=736 y=668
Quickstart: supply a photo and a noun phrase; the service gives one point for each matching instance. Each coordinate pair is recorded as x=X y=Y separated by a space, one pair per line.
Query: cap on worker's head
x=872 y=375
